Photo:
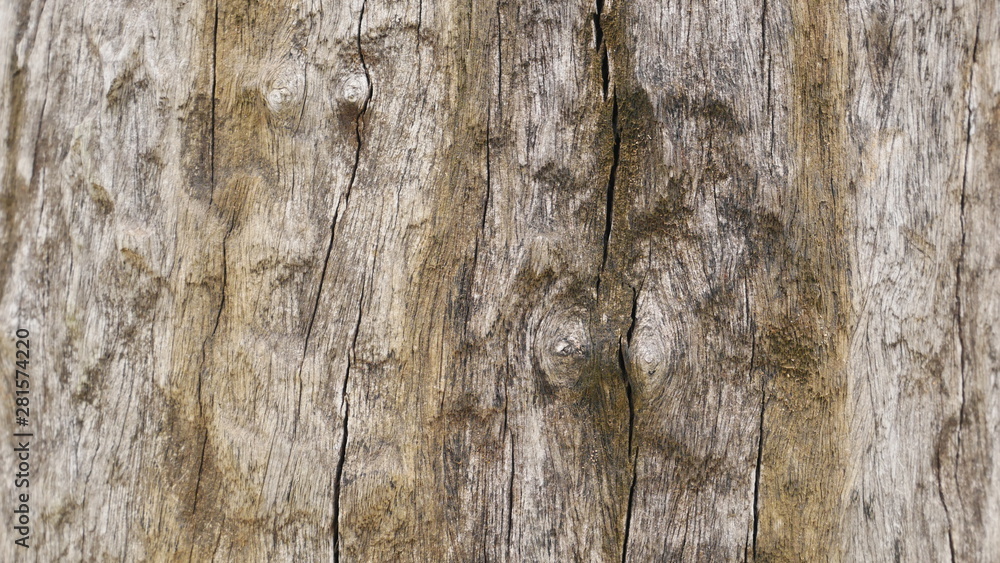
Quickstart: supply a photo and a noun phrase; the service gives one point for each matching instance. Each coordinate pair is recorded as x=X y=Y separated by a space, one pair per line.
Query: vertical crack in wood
x=298 y=399
x=215 y=50
x=760 y=447
x=364 y=104
x=624 y=341
x=960 y=264
x=357 y=327
x=499 y=64
x=506 y=431
x=610 y=190
x=489 y=122
x=615 y=133
x=628 y=508
x=225 y=276
x=350 y=184
x=489 y=174
x=600 y=46
x=211 y=200
x=947 y=513
x=633 y=455
x=760 y=422
x=506 y=398
x=623 y=367
x=346 y=404
x=770 y=90
x=218 y=316
x=201 y=466
x=319 y=288
x=486 y=205
x=420 y=22
x=766 y=67
x=623 y=347
x=489 y=171
x=337 y=486
x=354 y=345
x=510 y=497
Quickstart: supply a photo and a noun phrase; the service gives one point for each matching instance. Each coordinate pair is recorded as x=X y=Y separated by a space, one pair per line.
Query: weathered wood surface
x=452 y=281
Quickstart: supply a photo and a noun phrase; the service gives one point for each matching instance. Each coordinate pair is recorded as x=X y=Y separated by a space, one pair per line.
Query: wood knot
x=647 y=350
x=645 y=355
x=283 y=92
x=563 y=344
x=278 y=98
x=355 y=89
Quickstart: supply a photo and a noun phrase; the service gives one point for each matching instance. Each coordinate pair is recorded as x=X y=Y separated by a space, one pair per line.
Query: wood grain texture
x=504 y=281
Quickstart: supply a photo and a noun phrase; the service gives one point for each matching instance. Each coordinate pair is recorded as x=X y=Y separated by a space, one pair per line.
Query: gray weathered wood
x=506 y=281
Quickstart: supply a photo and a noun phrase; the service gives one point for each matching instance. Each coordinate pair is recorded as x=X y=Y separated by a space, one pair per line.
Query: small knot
x=562 y=344
x=569 y=345
x=284 y=89
x=646 y=353
x=278 y=97
x=355 y=89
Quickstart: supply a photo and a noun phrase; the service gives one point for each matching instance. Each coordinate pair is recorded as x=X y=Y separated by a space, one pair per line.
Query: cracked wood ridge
x=511 y=281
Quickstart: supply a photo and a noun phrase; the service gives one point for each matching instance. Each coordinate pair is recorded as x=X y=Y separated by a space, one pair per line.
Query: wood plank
x=313 y=280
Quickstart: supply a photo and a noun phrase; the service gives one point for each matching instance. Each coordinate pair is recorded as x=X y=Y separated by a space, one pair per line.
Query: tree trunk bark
x=509 y=281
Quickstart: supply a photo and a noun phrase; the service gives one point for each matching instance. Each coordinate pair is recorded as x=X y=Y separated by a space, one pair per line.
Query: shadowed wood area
x=502 y=281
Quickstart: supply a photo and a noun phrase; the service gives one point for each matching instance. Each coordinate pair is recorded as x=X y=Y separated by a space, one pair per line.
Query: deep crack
x=760 y=458
x=346 y=404
x=215 y=50
x=510 y=497
x=628 y=508
x=610 y=190
x=350 y=184
x=357 y=326
x=960 y=263
x=337 y=486
x=601 y=47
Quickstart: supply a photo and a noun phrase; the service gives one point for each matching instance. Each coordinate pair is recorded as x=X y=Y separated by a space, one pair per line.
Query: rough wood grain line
x=286 y=93
x=96 y=286
x=977 y=516
x=682 y=246
x=147 y=306
x=805 y=310
x=416 y=482
x=568 y=402
x=910 y=72
x=15 y=189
